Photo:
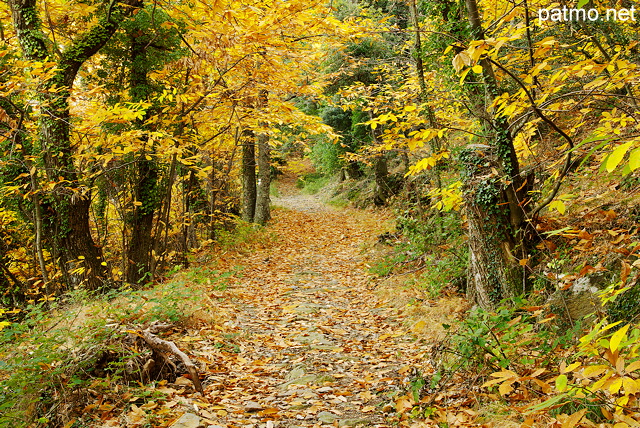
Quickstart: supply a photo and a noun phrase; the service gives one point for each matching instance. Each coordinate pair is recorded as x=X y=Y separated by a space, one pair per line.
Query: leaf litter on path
x=307 y=341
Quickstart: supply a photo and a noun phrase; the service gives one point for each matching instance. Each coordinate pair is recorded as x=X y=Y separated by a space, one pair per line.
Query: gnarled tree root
x=160 y=346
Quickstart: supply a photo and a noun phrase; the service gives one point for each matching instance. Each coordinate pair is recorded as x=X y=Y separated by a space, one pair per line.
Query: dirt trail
x=307 y=341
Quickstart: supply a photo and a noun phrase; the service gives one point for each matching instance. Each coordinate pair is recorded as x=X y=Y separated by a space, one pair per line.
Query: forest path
x=307 y=341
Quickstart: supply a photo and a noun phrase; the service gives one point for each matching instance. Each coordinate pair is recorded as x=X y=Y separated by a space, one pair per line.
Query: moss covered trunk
x=263 y=200
x=66 y=208
x=249 y=184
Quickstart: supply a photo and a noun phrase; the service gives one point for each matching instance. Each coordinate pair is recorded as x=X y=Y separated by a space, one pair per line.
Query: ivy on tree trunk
x=66 y=208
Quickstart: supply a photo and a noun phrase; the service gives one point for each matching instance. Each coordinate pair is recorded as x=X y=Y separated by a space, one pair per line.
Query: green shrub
x=326 y=157
x=312 y=183
x=625 y=306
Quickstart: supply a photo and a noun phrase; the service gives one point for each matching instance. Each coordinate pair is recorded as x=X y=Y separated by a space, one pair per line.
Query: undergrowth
x=313 y=182
x=539 y=372
x=430 y=244
x=56 y=356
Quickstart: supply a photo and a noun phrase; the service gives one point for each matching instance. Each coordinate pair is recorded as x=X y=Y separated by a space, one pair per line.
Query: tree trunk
x=139 y=255
x=381 y=173
x=140 y=244
x=494 y=213
x=263 y=202
x=249 y=189
x=493 y=272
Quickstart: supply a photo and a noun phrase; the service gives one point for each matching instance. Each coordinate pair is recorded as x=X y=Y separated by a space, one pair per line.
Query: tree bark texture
x=139 y=255
x=263 y=200
x=381 y=173
x=494 y=212
x=249 y=189
x=494 y=272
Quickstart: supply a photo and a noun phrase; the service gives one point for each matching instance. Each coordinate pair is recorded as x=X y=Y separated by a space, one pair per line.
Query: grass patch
x=55 y=358
x=312 y=183
x=338 y=202
x=244 y=236
x=273 y=190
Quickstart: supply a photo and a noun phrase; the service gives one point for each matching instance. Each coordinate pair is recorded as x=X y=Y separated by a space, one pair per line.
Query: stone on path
x=327 y=417
x=252 y=406
x=353 y=422
x=188 y=420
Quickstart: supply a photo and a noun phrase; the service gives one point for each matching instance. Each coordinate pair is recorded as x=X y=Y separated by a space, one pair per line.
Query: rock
x=352 y=422
x=252 y=406
x=296 y=373
x=188 y=420
x=578 y=301
x=327 y=417
x=304 y=380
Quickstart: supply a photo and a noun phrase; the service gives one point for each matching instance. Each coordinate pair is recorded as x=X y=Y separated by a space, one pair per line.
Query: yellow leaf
x=592 y=371
x=617 y=337
x=477 y=69
x=616 y=156
x=634 y=159
x=559 y=206
x=574 y=419
x=505 y=388
x=505 y=374
x=459 y=61
x=633 y=367
x=561 y=383
x=630 y=386
x=615 y=386
x=572 y=367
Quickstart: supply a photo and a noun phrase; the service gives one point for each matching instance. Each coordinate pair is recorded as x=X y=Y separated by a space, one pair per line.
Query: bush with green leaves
x=509 y=337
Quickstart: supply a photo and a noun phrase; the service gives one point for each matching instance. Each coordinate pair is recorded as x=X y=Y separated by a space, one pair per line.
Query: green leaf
x=581 y=3
x=617 y=337
x=547 y=403
x=616 y=156
x=561 y=383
